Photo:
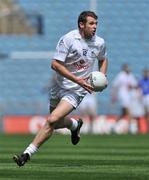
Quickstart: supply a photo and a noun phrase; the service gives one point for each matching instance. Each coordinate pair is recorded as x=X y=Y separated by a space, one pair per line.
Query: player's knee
x=52 y=120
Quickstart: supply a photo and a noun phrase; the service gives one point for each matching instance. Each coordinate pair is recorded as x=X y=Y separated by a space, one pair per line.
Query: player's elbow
x=56 y=65
x=53 y=65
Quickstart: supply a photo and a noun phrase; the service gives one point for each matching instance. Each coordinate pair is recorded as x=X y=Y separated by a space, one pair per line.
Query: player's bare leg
x=55 y=120
x=57 y=114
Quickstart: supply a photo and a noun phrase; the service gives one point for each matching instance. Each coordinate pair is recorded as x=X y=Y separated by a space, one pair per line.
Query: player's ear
x=81 y=25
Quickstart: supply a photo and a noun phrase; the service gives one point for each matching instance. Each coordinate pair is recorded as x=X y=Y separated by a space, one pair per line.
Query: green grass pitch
x=96 y=157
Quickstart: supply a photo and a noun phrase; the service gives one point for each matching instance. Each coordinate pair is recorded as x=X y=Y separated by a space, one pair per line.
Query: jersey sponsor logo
x=81 y=65
x=82 y=61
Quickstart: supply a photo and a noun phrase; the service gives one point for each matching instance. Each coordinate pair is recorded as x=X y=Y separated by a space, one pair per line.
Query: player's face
x=89 y=28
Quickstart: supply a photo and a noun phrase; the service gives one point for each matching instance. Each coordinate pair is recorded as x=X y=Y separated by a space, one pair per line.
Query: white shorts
x=124 y=100
x=57 y=94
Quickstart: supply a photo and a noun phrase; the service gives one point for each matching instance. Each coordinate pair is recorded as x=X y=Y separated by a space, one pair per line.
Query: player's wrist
x=77 y=80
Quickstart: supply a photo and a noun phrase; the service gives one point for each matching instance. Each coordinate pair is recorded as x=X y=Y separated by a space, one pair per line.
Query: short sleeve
x=62 y=49
x=103 y=53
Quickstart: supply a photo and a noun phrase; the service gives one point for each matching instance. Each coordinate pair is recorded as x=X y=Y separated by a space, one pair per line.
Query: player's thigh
x=124 y=101
x=62 y=109
x=59 y=123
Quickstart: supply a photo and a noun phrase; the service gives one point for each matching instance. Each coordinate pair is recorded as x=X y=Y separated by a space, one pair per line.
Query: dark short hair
x=83 y=17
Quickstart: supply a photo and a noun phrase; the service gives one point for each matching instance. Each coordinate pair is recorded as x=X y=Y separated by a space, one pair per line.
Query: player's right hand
x=83 y=82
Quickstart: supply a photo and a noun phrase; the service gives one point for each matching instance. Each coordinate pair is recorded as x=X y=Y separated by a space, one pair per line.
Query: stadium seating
x=124 y=26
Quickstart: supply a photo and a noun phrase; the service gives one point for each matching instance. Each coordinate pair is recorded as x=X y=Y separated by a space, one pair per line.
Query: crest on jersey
x=85 y=52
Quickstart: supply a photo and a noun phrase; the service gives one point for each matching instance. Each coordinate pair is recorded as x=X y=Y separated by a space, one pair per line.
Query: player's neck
x=84 y=37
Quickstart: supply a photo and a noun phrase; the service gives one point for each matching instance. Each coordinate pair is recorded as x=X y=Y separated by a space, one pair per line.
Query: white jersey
x=78 y=56
x=122 y=83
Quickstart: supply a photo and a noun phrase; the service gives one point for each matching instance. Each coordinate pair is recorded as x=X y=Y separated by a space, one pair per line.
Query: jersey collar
x=78 y=36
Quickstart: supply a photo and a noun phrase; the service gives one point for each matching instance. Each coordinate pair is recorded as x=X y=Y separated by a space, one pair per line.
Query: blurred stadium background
x=29 y=31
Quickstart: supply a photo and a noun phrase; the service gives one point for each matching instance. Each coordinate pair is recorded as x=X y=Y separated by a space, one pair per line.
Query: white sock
x=31 y=149
x=74 y=124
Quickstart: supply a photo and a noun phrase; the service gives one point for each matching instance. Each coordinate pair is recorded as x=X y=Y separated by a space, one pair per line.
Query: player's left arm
x=103 y=65
x=102 y=58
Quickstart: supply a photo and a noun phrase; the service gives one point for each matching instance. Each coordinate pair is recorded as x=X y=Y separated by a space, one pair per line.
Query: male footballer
x=73 y=62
